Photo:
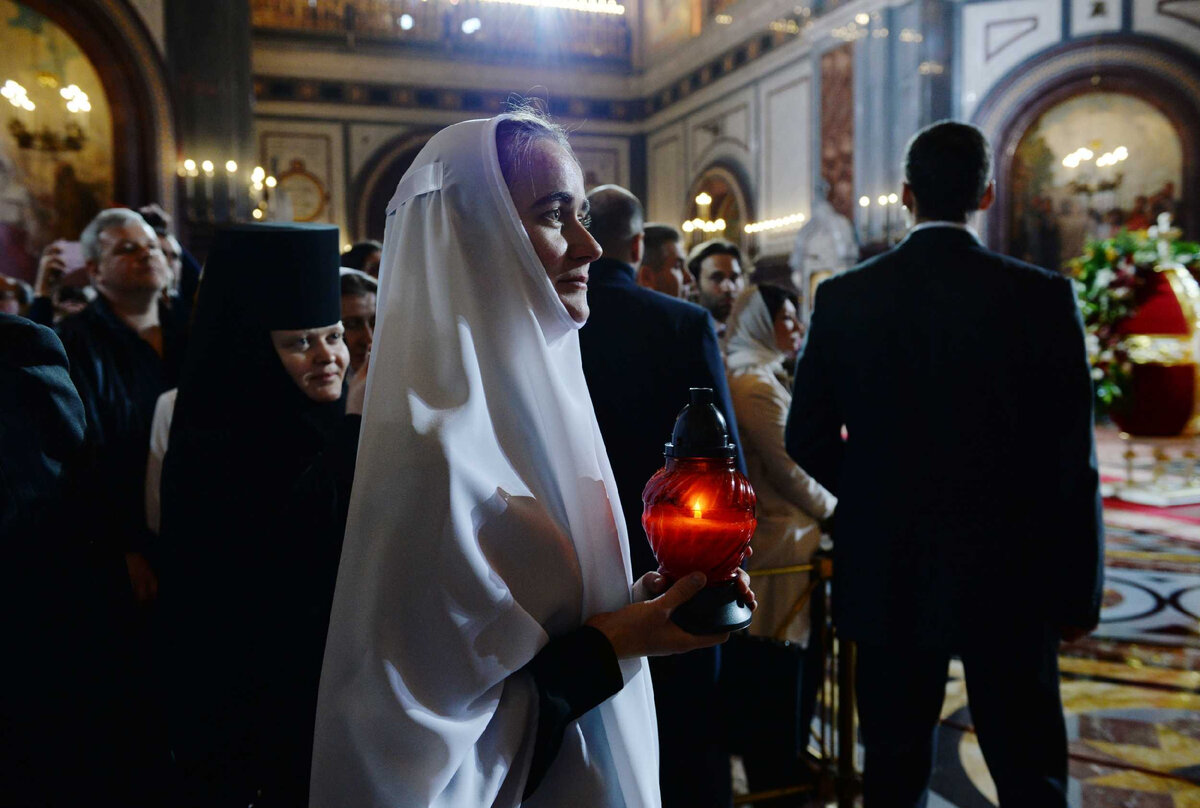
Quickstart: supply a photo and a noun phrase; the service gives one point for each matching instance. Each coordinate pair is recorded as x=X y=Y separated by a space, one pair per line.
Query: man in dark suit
x=969 y=519
x=642 y=350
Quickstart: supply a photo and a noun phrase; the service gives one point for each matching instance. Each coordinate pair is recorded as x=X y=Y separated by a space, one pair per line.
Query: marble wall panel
x=1092 y=17
x=1175 y=20
x=997 y=37
x=667 y=175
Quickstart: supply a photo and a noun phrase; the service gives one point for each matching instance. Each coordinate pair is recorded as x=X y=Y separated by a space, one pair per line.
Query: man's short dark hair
x=356 y=256
x=616 y=218
x=356 y=283
x=715 y=246
x=948 y=166
x=656 y=237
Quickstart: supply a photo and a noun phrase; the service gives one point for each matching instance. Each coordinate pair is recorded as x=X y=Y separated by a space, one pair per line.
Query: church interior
x=737 y=119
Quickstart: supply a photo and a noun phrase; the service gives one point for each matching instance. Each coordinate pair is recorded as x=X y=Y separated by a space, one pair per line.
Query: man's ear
x=989 y=196
x=907 y=198
x=636 y=249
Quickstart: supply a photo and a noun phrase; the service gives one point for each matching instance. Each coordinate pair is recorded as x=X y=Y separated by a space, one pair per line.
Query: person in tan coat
x=764 y=329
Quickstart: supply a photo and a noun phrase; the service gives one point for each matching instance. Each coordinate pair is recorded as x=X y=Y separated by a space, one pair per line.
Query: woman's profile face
x=789 y=332
x=315 y=358
x=549 y=196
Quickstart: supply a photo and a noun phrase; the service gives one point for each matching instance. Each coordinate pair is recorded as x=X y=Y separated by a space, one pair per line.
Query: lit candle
x=689 y=539
x=207 y=166
x=231 y=167
x=698 y=513
x=189 y=183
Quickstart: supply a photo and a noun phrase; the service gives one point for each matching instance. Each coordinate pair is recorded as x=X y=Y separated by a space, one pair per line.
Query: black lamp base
x=713 y=610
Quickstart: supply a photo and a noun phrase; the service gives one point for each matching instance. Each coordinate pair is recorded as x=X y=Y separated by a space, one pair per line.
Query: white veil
x=484 y=521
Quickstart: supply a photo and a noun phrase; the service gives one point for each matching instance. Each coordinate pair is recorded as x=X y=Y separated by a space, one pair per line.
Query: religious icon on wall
x=56 y=158
x=305 y=191
x=1088 y=168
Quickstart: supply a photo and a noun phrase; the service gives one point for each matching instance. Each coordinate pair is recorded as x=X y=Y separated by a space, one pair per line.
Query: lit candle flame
x=696 y=512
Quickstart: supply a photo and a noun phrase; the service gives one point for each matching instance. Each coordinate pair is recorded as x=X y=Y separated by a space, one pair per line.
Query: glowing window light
x=790 y=221
x=587 y=6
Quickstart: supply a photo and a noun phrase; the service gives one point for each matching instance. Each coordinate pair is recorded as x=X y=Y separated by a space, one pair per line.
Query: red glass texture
x=699 y=515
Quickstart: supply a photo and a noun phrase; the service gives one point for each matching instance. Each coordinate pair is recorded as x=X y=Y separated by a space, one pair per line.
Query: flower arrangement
x=1107 y=279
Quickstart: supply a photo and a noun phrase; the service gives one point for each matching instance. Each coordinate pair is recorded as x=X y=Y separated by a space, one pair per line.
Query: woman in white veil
x=484 y=603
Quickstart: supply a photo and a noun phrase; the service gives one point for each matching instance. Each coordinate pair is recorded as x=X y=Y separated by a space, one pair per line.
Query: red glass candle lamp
x=699 y=515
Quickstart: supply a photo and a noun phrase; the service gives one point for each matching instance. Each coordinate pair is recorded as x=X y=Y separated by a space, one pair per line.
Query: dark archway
x=124 y=55
x=1155 y=71
x=375 y=184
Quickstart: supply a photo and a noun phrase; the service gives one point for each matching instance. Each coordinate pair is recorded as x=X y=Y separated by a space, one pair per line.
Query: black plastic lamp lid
x=700 y=429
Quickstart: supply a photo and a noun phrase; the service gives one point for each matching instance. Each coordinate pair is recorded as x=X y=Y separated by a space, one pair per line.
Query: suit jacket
x=642 y=350
x=967 y=484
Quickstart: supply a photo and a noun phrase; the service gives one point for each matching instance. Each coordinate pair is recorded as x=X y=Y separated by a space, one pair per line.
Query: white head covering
x=750 y=337
x=484 y=521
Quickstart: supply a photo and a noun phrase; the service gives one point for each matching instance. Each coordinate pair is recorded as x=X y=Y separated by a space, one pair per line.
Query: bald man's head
x=617 y=221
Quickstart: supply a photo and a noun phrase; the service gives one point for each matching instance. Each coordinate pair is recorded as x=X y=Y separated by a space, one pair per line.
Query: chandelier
x=32 y=130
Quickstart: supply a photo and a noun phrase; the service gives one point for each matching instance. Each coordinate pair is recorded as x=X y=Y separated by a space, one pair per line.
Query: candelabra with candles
x=888 y=204
x=212 y=197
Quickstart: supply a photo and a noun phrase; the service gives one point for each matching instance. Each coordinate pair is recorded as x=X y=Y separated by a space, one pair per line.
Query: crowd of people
x=365 y=528
x=1050 y=235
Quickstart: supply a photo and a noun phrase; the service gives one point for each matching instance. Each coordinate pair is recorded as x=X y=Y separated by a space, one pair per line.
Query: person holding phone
x=58 y=259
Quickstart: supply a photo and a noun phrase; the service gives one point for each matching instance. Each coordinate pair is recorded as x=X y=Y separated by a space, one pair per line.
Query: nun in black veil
x=256 y=484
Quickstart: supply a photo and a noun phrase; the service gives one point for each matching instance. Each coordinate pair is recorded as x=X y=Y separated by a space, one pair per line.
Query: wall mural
x=837 y=127
x=55 y=141
x=1087 y=168
x=666 y=23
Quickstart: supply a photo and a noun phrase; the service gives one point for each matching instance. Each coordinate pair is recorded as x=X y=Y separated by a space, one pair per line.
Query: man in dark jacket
x=42 y=755
x=642 y=350
x=967 y=475
x=124 y=350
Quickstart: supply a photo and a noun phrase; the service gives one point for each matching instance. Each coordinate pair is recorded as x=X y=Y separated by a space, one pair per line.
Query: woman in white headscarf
x=485 y=643
x=764 y=329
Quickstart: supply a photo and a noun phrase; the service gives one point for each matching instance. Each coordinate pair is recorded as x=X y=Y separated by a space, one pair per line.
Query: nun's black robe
x=256 y=484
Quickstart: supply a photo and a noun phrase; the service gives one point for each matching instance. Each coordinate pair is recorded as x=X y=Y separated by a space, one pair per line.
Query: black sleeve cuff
x=573 y=674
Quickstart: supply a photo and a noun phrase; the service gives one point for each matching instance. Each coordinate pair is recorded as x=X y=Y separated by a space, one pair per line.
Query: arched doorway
x=1102 y=75
x=717 y=206
x=375 y=184
x=101 y=130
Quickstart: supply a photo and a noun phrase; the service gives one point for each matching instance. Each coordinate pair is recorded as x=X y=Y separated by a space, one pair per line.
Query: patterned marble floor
x=1131 y=691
